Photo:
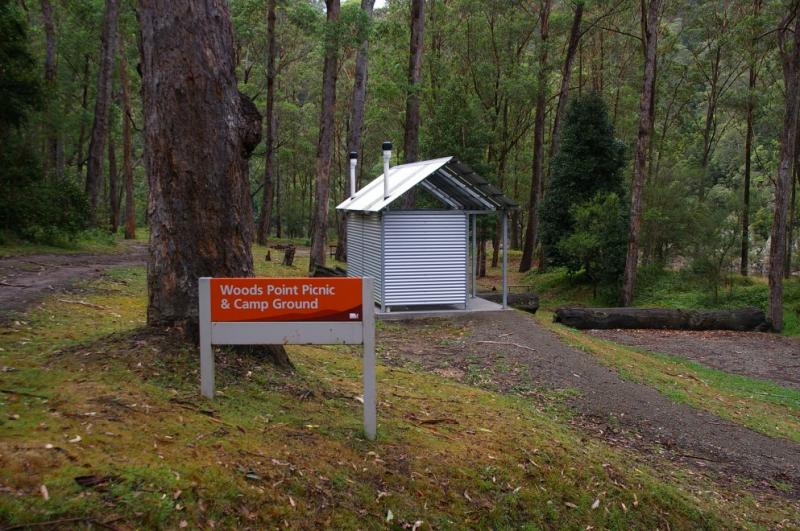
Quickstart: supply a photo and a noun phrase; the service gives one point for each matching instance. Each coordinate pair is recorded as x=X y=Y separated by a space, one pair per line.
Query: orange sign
x=285 y=299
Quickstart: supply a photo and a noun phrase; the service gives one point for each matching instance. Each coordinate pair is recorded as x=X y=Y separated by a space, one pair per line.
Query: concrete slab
x=474 y=304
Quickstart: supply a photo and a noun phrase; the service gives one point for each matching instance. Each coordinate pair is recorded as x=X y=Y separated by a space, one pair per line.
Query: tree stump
x=268 y=258
x=288 y=256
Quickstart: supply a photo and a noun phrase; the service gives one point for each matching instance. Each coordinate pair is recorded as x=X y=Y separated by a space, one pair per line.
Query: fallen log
x=527 y=302
x=322 y=271
x=742 y=320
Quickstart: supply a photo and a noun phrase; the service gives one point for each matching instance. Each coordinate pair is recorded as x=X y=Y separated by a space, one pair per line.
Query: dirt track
x=495 y=350
x=765 y=356
x=25 y=280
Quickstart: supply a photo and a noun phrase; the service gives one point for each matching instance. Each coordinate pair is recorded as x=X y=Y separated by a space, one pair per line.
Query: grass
x=89 y=392
x=92 y=241
x=669 y=289
x=757 y=404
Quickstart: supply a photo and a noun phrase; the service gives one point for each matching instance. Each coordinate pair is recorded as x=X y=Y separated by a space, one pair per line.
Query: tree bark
x=356 y=121
x=265 y=216
x=747 y=319
x=790 y=60
x=566 y=76
x=127 y=147
x=113 y=194
x=84 y=106
x=319 y=224
x=650 y=39
x=94 y=174
x=411 y=133
x=748 y=149
x=537 y=181
x=53 y=166
x=199 y=132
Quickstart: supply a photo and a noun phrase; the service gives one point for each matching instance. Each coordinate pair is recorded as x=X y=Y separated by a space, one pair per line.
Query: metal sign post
x=289 y=311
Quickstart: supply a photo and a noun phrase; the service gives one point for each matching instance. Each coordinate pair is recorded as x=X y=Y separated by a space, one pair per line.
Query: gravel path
x=511 y=352
x=25 y=280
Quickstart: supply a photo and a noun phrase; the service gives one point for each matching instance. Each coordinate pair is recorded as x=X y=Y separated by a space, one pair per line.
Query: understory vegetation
x=102 y=422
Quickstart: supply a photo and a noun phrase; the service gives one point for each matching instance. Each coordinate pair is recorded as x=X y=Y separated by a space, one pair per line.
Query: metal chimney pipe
x=353 y=163
x=387 y=156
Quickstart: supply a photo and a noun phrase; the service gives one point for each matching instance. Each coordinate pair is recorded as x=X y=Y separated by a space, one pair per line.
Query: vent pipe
x=353 y=163
x=387 y=156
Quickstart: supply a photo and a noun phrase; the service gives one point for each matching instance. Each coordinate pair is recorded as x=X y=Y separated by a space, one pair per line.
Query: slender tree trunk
x=566 y=76
x=200 y=212
x=53 y=167
x=790 y=59
x=84 y=107
x=787 y=273
x=748 y=150
x=265 y=217
x=127 y=147
x=411 y=136
x=113 y=193
x=319 y=224
x=650 y=38
x=537 y=184
x=356 y=122
x=94 y=174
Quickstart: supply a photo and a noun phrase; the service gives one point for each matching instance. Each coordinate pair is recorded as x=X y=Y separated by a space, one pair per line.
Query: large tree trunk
x=53 y=166
x=199 y=133
x=113 y=193
x=566 y=76
x=265 y=217
x=127 y=147
x=319 y=224
x=356 y=121
x=650 y=38
x=94 y=174
x=747 y=319
x=537 y=181
x=790 y=59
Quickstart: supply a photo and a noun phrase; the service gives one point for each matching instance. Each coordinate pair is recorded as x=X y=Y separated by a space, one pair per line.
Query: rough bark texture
x=199 y=133
x=650 y=38
x=319 y=223
x=744 y=320
x=537 y=181
x=790 y=60
x=53 y=166
x=127 y=148
x=94 y=173
x=265 y=216
x=113 y=188
x=566 y=76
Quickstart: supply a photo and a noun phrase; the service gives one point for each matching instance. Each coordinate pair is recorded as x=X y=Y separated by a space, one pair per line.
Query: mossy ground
x=90 y=391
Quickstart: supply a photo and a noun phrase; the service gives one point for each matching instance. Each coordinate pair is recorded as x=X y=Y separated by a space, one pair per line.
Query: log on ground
x=527 y=302
x=741 y=320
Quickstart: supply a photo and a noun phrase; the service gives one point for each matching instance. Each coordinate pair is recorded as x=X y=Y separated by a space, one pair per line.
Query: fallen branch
x=84 y=303
x=507 y=343
x=59 y=522
x=13 y=285
x=22 y=393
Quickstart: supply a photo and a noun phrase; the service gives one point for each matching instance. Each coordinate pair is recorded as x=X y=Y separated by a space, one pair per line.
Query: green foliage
x=20 y=88
x=598 y=242
x=586 y=173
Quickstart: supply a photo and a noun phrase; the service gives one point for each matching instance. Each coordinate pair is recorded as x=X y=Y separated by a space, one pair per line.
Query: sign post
x=283 y=311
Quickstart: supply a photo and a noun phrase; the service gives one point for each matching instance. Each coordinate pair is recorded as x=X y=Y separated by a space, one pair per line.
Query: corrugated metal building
x=420 y=257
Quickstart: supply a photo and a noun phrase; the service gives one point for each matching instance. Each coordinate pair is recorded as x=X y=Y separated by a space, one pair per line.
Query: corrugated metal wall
x=364 y=248
x=425 y=258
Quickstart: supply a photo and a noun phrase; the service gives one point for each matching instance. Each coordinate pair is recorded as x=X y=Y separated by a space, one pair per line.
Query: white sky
x=380 y=3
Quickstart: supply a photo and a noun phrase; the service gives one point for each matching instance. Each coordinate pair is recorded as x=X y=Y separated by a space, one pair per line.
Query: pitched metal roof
x=452 y=182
